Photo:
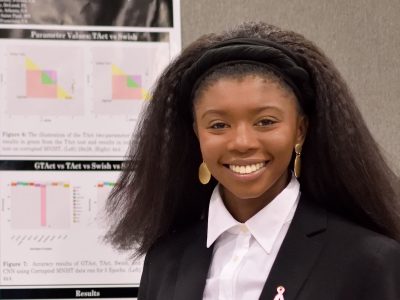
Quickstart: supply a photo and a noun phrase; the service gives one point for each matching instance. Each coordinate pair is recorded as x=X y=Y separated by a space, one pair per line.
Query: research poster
x=74 y=78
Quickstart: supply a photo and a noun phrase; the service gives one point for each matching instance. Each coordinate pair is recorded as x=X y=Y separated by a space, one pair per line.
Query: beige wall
x=362 y=37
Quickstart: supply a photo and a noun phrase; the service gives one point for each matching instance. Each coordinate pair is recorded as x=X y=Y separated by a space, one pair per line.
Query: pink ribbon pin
x=280 y=291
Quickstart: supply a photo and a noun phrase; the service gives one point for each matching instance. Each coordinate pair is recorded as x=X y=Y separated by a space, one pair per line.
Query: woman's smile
x=246 y=172
x=246 y=169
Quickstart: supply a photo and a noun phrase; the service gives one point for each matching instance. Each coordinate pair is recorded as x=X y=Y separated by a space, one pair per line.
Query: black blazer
x=323 y=257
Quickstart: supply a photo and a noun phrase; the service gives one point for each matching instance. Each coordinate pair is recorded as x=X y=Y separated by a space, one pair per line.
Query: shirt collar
x=264 y=226
x=219 y=218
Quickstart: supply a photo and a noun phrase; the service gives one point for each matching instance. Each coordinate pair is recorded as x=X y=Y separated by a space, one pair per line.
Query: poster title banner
x=84 y=35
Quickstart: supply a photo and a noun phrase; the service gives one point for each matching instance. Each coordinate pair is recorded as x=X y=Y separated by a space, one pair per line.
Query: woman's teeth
x=247 y=169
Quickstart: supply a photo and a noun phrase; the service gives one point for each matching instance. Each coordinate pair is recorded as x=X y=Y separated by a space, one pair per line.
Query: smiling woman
x=247 y=129
x=239 y=111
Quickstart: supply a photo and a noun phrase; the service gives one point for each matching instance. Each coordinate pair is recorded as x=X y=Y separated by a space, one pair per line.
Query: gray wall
x=362 y=37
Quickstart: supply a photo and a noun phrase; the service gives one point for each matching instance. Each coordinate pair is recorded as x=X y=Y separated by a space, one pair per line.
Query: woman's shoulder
x=172 y=244
x=367 y=262
x=170 y=257
x=350 y=236
x=342 y=230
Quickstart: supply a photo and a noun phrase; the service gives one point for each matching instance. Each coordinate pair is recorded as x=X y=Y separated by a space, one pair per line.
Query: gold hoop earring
x=204 y=173
x=297 y=160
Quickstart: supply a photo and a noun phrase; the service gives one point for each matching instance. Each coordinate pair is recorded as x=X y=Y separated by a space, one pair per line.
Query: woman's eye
x=265 y=122
x=218 y=125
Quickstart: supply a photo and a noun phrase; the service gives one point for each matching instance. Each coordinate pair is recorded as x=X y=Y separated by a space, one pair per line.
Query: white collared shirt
x=243 y=253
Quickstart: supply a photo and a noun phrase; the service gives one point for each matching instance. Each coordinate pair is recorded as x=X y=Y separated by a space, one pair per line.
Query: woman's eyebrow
x=256 y=110
x=268 y=107
x=213 y=111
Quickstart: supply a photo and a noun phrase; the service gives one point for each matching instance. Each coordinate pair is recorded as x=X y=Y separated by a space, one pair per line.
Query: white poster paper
x=74 y=78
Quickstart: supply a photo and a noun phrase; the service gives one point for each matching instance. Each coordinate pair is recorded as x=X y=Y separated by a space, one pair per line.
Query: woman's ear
x=195 y=129
x=302 y=127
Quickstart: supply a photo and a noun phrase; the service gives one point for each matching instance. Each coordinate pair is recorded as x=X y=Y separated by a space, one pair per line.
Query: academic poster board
x=74 y=77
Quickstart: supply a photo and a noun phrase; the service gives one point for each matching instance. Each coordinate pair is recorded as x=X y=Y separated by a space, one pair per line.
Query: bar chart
x=103 y=190
x=48 y=204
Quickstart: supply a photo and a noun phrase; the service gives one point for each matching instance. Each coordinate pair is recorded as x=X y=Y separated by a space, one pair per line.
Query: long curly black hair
x=342 y=166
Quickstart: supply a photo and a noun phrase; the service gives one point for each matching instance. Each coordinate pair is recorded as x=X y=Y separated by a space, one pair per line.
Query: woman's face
x=247 y=129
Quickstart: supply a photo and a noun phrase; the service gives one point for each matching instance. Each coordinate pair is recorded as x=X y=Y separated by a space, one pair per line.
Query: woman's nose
x=243 y=138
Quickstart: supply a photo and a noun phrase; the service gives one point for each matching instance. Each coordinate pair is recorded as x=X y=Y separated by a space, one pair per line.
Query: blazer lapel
x=193 y=269
x=298 y=252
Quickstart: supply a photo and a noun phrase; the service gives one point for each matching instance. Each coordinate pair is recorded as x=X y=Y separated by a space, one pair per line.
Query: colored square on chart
x=126 y=87
x=41 y=84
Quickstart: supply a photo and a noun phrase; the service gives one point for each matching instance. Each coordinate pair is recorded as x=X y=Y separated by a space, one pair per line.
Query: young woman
x=252 y=175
